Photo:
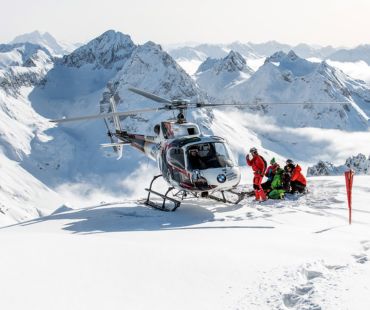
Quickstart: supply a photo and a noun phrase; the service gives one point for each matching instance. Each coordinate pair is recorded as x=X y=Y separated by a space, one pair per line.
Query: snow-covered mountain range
x=35 y=85
x=190 y=57
x=359 y=164
x=46 y=40
x=287 y=78
x=361 y=52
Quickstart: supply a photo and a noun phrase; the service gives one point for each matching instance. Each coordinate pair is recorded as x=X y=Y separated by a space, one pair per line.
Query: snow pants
x=267 y=185
x=297 y=187
x=258 y=190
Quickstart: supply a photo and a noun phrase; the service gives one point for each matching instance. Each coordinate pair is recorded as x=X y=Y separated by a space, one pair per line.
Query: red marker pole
x=349 y=181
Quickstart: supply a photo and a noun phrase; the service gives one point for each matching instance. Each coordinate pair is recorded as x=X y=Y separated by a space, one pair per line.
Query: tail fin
x=116 y=120
x=117 y=146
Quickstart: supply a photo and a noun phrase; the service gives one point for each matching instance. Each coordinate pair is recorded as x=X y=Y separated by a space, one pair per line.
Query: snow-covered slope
x=19 y=122
x=22 y=195
x=47 y=41
x=111 y=49
x=34 y=85
x=289 y=78
x=296 y=254
x=215 y=75
x=358 y=70
x=23 y=54
x=191 y=57
x=75 y=86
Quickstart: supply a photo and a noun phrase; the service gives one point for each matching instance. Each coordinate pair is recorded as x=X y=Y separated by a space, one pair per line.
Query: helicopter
x=193 y=165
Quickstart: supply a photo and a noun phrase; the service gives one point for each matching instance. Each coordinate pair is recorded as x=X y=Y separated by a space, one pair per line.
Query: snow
x=299 y=253
x=358 y=70
x=112 y=48
x=286 y=78
x=190 y=66
x=84 y=239
x=215 y=75
x=22 y=196
x=359 y=164
x=23 y=54
x=189 y=57
x=47 y=41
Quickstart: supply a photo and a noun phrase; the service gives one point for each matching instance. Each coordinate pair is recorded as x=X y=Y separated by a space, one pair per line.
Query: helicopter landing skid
x=176 y=203
x=240 y=196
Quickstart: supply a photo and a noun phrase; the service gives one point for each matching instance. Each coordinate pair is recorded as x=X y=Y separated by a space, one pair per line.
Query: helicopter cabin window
x=191 y=131
x=208 y=155
x=175 y=156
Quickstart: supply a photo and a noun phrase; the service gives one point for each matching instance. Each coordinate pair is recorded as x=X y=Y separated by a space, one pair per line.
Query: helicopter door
x=176 y=161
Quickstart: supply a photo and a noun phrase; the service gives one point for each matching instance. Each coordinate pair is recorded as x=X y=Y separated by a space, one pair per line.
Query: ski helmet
x=289 y=161
x=253 y=150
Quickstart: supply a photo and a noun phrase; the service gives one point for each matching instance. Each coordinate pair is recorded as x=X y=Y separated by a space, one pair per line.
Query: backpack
x=265 y=162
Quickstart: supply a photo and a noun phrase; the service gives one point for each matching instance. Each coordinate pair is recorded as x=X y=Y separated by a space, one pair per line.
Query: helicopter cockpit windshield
x=209 y=155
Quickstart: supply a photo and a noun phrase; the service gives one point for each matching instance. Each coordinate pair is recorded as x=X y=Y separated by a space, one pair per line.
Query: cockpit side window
x=175 y=156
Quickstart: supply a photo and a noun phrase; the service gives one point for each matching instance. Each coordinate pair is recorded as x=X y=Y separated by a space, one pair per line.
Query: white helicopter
x=193 y=164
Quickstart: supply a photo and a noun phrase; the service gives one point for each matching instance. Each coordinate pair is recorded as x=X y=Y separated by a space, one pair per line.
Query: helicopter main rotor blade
x=252 y=104
x=99 y=116
x=149 y=95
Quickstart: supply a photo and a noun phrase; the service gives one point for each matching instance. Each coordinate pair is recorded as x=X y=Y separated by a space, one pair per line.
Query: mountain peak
x=152 y=45
x=110 y=49
x=292 y=56
x=43 y=39
x=282 y=56
x=233 y=62
x=291 y=62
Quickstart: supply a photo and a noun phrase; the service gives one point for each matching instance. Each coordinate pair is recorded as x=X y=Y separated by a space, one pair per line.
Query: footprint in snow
x=312 y=274
x=300 y=300
x=366 y=245
x=361 y=258
x=335 y=267
x=300 y=297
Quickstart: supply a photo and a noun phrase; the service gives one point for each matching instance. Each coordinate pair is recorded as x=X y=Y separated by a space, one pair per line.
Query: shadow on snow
x=124 y=217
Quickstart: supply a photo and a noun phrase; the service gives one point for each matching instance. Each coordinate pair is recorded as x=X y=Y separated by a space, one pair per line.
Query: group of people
x=280 y=181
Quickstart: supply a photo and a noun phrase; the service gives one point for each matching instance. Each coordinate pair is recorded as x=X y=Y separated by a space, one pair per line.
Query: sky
x=324 y=22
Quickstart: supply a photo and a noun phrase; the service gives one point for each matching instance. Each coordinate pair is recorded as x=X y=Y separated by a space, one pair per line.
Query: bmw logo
x=221 y=178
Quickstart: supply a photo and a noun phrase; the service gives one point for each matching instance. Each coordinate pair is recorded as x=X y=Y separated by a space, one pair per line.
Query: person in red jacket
x=298 y=182
x=258 y=166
